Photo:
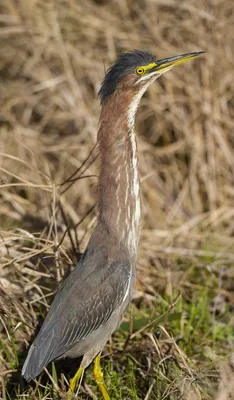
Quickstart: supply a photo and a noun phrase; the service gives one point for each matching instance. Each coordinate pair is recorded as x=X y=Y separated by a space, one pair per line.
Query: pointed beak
x=167 y=63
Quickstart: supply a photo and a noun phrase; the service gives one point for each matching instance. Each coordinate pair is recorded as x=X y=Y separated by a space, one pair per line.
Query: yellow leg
x=74 y=382
x=98 y=375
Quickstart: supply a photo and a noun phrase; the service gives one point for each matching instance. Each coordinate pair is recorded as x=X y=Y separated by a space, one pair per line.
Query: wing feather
x=85 y=301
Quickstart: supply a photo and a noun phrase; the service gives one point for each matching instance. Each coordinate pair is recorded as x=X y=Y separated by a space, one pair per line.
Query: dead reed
x=53 y=55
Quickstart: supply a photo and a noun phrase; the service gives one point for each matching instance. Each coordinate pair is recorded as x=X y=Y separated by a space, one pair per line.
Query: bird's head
x=136 y=70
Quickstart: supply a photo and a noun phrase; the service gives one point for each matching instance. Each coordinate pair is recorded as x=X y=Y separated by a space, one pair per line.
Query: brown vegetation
x=53 y=57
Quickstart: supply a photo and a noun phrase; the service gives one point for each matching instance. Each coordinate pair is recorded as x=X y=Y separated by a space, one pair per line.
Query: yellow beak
x=167 y=63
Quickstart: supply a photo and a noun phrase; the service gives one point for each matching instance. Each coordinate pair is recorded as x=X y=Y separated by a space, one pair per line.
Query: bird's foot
x=74 y=383
x=98 y=376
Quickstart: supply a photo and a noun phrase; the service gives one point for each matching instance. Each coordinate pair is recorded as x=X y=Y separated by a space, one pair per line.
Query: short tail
x=31 y=367
x=38 y=357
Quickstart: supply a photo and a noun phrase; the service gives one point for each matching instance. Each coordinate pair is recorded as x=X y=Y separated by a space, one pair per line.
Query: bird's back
x=86 y=300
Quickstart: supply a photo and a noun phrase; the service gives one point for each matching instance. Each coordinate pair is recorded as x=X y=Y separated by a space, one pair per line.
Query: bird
x=91 y=301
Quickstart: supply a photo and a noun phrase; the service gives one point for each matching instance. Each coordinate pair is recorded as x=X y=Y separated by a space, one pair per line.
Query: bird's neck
x=119 y=189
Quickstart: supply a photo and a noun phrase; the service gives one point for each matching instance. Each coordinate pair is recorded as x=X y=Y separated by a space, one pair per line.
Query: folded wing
x=85 y=301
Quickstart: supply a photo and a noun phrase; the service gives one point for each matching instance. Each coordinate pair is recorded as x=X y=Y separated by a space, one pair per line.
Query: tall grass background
x=53 y=56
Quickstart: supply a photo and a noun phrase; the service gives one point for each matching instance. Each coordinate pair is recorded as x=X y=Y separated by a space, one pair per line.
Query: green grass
x=169 y=349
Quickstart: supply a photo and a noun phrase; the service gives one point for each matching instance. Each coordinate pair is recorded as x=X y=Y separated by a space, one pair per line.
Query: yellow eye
x=140 y=71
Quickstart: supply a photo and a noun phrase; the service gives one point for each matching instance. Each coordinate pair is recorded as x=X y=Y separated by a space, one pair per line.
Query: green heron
x=90 y=303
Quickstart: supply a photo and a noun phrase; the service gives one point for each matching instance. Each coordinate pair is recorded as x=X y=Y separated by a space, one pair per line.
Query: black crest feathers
x=125 y=64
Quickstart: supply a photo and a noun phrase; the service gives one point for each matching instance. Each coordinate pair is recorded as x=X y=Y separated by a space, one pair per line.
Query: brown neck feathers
x=119 y=191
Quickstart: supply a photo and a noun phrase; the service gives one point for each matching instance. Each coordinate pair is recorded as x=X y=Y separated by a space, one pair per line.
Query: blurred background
x=53 y=57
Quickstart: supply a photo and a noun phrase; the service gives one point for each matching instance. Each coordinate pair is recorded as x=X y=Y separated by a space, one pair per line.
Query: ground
x=176 y=341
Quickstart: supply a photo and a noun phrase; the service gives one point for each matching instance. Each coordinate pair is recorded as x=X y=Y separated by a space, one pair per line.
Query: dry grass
x=53 y=55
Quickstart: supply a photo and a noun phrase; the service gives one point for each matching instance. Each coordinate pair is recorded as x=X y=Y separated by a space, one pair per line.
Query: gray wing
x=85 y=301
